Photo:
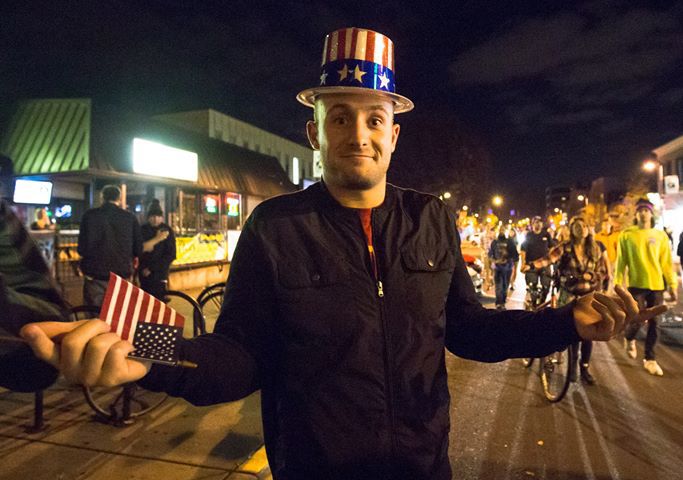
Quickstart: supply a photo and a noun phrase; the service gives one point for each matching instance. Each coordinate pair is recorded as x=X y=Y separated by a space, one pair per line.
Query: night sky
x=558 y=92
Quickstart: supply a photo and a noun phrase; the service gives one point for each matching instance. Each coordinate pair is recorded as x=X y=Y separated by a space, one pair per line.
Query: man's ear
x=395 y=130
x=312 y=132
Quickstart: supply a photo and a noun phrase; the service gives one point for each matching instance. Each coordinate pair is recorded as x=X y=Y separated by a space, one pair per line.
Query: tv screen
x=32 y=191
x=64 y=211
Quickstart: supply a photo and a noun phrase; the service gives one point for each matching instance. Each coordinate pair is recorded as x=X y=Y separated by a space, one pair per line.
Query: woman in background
x=158 y=252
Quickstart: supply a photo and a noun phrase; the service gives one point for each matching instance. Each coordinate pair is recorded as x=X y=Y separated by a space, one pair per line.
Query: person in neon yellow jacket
x=644 y=264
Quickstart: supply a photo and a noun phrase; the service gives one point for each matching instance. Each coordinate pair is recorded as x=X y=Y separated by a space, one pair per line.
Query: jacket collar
x=326 y=201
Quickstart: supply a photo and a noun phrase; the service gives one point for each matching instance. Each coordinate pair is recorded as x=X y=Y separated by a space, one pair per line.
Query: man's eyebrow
x=370 y=108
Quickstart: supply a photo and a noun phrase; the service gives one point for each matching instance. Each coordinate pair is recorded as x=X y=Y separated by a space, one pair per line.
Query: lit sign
x=211 y=205
x=32 y=191
x=151 y=158
x=233 y=204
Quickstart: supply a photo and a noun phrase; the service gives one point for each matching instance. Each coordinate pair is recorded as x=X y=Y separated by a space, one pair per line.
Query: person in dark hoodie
x=158 y=252
x=27 y=294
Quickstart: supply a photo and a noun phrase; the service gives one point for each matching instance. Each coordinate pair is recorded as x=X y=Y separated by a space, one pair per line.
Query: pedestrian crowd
x=575 y=260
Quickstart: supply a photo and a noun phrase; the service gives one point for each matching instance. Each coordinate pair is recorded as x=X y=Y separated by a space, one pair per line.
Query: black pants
x=93 y=291
x=646 y=298
x=501 y=277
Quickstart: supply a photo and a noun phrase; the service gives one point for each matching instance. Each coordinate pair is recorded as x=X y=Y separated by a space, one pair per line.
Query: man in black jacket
x=109 y=241
x=339 y=303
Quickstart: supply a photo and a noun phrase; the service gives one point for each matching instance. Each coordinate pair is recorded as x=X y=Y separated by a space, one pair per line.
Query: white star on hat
x=383 y=80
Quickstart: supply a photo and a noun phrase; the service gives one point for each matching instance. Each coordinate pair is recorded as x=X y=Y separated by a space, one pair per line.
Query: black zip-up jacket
x=352 y=376
x=159 y=260
x=108 y=239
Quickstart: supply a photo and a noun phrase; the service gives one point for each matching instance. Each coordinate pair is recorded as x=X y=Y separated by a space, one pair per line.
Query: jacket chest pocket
x=313 y=299
x=427 y=276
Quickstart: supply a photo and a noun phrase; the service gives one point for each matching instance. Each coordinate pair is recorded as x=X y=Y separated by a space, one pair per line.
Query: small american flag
x=134 y=314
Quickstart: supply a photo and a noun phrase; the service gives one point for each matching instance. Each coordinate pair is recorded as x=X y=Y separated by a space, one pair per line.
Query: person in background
x=158 y=252
x=582 y=267
x=503 y=256
x=644 y=262
x=109 y=241
x=42 y=220
x=609 y=237
x=512 y=235
x=536 y=246
x=27 y=294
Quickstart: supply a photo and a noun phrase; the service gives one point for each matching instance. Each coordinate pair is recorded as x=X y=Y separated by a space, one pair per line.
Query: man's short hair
x=111 y=193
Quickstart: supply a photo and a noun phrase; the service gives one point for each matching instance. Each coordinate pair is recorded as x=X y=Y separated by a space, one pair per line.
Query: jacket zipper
x=388 y=371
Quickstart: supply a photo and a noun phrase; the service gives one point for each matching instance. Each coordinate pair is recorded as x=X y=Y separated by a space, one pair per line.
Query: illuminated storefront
x=206 y=187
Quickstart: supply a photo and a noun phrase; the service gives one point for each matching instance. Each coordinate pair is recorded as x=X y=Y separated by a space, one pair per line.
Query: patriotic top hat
x=356 y=60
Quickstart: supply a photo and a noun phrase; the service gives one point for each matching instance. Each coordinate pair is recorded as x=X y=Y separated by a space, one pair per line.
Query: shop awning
x=65 y=136
x=48 y=136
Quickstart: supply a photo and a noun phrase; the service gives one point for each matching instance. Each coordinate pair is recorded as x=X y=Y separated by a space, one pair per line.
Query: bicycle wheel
x=554 y=373
x=216 y=287
x=211 y=306
x=120 y=405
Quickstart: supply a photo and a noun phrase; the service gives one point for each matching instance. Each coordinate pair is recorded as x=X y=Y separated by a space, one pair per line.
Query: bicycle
x=120 y=406
x=554 y=370
x=210 y=300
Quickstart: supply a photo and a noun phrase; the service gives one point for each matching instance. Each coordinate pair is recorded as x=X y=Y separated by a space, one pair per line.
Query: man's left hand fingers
x=629 y=302
x=616 y=310
x=648 y=313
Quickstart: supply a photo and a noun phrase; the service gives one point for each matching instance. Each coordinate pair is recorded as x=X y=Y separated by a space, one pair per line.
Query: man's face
x=155 y=220
x=644 y=217
x=537 y=226
x=356 y=136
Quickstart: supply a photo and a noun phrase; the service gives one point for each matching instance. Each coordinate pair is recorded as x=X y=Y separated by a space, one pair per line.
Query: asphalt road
x=629 y=426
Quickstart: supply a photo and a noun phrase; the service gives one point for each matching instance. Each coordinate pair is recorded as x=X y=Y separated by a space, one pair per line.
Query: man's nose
x=360 y=132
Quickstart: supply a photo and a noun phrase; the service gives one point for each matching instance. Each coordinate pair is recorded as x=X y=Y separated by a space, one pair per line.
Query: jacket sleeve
x=137 y=238
x=622 y=252
x=667 y=263
x=234 y=360
x=477 y=333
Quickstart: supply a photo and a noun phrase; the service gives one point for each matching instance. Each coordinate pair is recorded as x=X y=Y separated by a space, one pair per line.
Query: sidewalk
x=173 y=442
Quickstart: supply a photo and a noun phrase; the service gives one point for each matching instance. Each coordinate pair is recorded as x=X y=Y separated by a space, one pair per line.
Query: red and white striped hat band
x=357 y=60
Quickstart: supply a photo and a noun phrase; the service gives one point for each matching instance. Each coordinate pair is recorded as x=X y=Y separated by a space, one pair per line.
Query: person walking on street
x=644 y=263
x=340 y=301
x=159 y=251
x=536 y=246
x=582 y=268
x=109 y=240
x=503 y=255
x=609 y=237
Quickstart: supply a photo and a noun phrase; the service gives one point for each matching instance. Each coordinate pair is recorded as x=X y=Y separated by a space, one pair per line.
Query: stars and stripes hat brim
x=357 y=60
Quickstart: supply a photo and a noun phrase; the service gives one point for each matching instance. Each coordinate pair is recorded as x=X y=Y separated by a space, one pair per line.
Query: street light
x=465 y=208
x=652 y=164
x=580 y=197
x=446 y=195
x=497 y=201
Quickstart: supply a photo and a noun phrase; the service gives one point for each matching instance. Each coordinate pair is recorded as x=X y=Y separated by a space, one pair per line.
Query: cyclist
x=536 y=246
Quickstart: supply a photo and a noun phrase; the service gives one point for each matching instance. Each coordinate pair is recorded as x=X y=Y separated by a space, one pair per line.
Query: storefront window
x=189 y=217
x=211 y=212
x=233 y=211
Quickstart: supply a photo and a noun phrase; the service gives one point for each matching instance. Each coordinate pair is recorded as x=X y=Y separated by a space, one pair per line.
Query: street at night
x=316 y=240
x=629 y=426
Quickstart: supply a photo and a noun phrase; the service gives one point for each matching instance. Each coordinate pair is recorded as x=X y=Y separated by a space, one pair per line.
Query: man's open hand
x=601 y=317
